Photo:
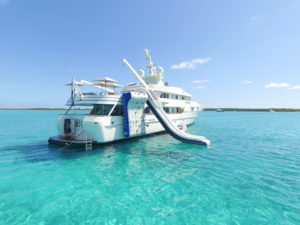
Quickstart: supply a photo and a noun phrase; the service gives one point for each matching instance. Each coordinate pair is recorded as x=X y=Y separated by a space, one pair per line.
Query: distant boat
x=272 y=110
x=219 y=110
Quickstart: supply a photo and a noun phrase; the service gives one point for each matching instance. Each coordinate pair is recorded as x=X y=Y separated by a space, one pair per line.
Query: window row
x=174 y=96
x=195 y=108
x=104 y=109
x=167 y=110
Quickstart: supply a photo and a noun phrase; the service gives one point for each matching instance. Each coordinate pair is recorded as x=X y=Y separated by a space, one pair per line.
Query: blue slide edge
x=126 y=99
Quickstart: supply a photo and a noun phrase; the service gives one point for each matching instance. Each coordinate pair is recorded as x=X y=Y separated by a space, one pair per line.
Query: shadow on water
x=160 y=144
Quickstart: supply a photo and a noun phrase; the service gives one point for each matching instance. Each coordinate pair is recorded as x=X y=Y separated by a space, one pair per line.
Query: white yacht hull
x=103 y=129
x=143 y=108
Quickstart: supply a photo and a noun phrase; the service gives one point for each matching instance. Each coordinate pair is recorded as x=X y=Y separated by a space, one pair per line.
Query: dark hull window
x=118 y=111
x=101 y=109
x=164 y=95
x=147 y=110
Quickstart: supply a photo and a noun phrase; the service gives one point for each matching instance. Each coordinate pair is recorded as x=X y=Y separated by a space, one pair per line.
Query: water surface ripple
x=249 y=175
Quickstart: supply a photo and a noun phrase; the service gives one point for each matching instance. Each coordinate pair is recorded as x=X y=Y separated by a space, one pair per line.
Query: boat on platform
x=143 y=108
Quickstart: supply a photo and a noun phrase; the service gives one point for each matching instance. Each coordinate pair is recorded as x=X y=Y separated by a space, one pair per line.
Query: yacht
x=143 y=108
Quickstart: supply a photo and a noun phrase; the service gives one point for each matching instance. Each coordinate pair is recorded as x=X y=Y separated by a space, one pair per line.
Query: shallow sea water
x=249 y=175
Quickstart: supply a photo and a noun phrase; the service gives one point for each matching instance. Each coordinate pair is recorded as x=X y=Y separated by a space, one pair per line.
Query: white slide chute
x=157 y=109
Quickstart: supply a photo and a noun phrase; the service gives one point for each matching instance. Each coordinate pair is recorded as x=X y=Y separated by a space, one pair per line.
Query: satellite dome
x=146 y=52
x=159 y=70
x=141 y=73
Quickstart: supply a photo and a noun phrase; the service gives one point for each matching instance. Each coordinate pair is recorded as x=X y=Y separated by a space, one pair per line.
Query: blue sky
x=225 y=53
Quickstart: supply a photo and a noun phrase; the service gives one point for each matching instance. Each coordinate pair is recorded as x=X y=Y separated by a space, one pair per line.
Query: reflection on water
x=249 y=175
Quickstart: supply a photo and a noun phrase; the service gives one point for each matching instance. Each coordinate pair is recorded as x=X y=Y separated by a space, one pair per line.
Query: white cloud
x=2 y=2
x=256 y=19
x=247 y=81
x=200 y=81
x=277 y=85
x=191 y=64
x=281 y=10
x=295 y=87
x=200 y=87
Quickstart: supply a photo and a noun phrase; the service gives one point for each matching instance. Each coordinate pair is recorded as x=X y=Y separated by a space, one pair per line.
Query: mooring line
x=65 y=146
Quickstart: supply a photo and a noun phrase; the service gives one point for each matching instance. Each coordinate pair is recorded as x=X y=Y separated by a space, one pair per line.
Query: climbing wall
x=134 y=120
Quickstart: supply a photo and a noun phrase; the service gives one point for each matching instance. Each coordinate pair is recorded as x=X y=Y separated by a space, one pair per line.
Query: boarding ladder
x=88 y=145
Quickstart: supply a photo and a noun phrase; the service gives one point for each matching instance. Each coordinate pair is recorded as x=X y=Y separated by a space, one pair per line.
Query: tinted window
x=118 y=111
x=164 y=95
x=101 y=109
x=147 y=110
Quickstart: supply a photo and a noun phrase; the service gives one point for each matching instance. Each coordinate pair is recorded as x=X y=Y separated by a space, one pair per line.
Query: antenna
x=150 y=66
x=147 y=55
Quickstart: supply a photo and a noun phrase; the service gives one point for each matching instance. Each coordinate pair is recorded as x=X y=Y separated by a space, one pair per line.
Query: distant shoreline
x=205 y=109
x=254 y=110
x=35 y=109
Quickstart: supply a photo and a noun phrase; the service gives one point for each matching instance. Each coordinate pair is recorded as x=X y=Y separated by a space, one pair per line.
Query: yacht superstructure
x=144 y=108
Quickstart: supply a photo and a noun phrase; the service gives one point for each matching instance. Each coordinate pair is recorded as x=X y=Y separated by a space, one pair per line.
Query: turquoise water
x=249 y=175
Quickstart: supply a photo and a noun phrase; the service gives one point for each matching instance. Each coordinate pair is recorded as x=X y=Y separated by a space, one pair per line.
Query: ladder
x=88 y=145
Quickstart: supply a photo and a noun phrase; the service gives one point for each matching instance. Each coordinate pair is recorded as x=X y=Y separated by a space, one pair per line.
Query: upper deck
x=95 y=99
x=169 y=96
